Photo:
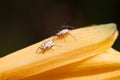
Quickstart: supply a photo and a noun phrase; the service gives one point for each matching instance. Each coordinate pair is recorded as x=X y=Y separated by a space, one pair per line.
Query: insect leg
x=37 y=50
x=64 y=39
x=54 y=38
x=72 y=36
x=57 y=45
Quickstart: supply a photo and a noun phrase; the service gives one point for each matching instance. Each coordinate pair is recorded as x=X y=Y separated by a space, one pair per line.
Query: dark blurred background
x=25 y=22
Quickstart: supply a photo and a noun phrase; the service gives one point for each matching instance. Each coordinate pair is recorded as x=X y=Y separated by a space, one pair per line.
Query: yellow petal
x=107 y=67
x=100 y=67
x=90 y=41
x=113 y=75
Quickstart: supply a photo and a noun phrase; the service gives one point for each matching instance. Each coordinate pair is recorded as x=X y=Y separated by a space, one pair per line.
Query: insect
x=47 y=45
x=64 y=32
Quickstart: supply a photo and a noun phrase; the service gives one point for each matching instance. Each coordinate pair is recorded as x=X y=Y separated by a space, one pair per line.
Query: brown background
x=25 y=22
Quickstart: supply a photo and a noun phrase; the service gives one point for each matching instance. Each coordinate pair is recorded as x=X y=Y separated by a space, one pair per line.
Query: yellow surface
x=105 y=66
x=26 y=65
